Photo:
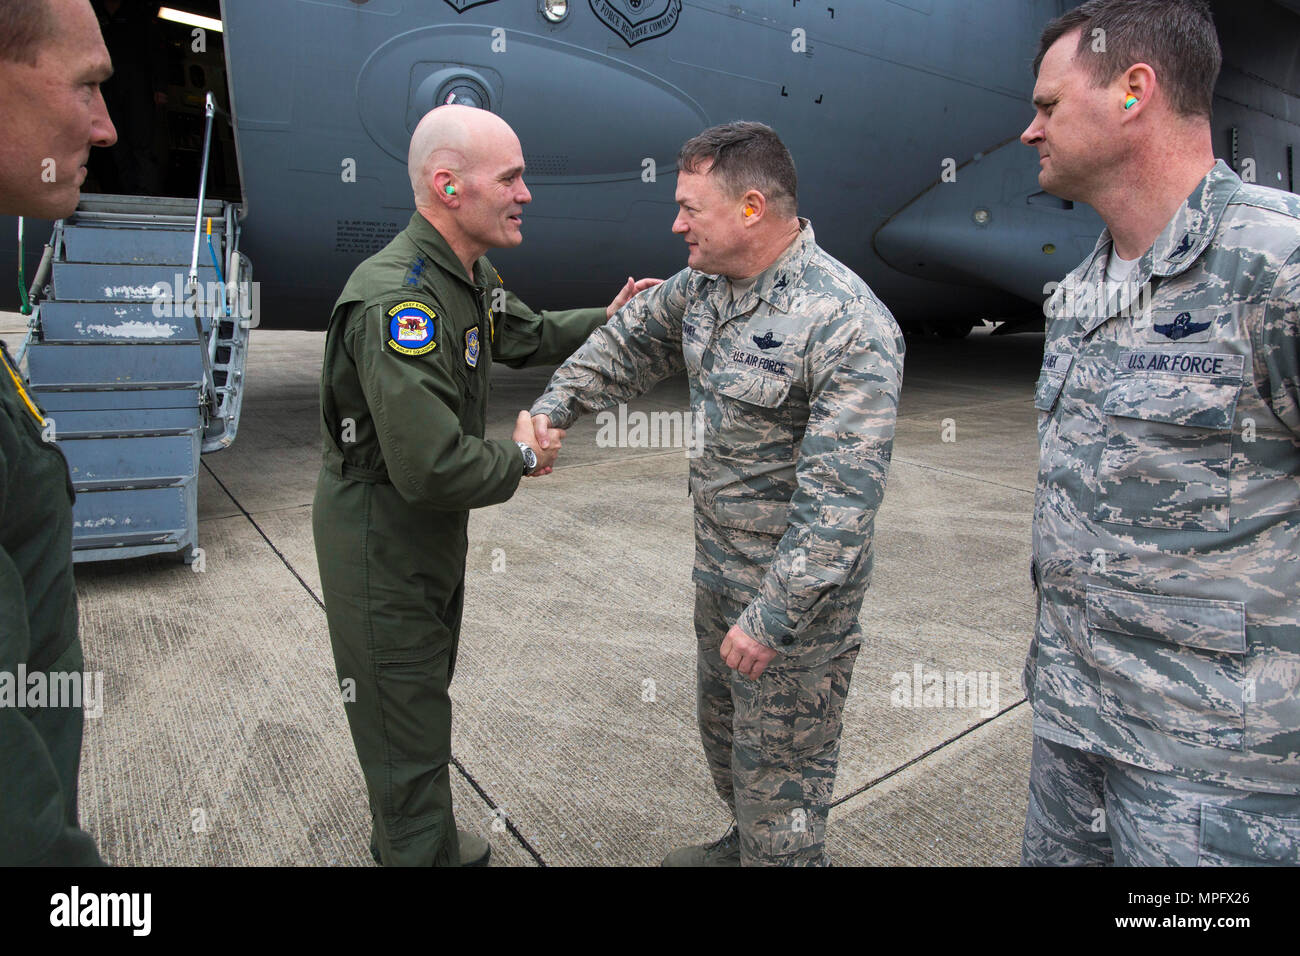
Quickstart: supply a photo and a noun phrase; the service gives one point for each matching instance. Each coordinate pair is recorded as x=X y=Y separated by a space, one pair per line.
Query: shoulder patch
x=412 y=328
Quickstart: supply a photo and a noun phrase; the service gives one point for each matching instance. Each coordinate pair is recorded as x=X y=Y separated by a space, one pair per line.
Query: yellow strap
x=22 y=392
x=492 y=325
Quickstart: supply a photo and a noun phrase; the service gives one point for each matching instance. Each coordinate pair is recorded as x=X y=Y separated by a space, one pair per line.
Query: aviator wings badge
x=1181 y=327
x=637 y=20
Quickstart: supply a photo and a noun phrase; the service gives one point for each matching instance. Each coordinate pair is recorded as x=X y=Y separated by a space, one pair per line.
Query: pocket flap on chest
x=1174 y=400
x=755 y=388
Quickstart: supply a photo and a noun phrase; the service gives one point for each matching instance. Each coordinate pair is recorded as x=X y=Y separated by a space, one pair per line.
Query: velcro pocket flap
x=769 y=391
x=753 y=514
x=1192 y=402
x=1217 y=626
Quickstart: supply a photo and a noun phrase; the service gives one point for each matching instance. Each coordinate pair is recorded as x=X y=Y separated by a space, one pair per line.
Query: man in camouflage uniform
x=52 y=60
x=404 y=390
x=1165 y=668
x=794 y=369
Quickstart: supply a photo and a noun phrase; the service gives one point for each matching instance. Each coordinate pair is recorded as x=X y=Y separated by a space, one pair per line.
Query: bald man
x=404 y=393
x=52 y=60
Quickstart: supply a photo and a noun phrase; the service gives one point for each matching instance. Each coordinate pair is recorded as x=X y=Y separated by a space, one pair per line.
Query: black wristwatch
x=530 y=457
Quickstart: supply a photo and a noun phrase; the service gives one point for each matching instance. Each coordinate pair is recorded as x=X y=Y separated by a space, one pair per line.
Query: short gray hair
x=745 y=156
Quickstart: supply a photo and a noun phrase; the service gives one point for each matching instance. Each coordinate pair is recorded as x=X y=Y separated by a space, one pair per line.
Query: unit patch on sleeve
x=412 y=328
x=471 y=347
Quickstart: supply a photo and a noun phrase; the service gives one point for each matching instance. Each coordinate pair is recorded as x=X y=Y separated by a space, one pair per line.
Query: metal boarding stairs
x=136 y=355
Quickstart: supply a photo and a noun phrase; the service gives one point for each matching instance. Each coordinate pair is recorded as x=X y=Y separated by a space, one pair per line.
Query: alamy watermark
x=25 y=689
x=176 y=300
x=923 y=687
x=628 y=429
x=1072 y=297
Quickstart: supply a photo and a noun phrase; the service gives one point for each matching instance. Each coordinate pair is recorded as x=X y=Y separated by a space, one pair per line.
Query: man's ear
x=445 y=187
x=753 y=205
x=1137 y=86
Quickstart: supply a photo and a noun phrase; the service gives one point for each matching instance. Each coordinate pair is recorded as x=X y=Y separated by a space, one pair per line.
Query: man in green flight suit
x=404 y=392
x=52 y=59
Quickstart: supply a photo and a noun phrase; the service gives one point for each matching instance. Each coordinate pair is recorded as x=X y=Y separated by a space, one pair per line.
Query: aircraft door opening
x=162 y=70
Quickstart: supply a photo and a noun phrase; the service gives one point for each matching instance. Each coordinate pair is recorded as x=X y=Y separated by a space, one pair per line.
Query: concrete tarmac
x=223 y=739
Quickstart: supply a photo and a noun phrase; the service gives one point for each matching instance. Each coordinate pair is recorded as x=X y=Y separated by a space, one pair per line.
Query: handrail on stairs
x=210 y=110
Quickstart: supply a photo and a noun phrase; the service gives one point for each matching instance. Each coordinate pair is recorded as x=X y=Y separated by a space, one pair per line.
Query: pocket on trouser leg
x=1243 y=838
x=415 y=822
x=784 y=760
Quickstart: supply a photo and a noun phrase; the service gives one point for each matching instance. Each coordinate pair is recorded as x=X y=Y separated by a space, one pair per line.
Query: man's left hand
x=742 y=653
x=632 y=287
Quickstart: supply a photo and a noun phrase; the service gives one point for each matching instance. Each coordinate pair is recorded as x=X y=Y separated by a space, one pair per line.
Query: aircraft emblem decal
x=637 y=20
x=1181 y=327
x=462 y=5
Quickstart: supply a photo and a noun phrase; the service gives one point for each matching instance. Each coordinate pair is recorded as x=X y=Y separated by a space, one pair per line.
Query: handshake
x=537 y=434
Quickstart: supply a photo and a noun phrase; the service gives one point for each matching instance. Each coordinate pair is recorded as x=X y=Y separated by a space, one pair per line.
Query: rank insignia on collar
x=412 y=328
x=413 y=275
x=471 y=347
x=1184 y=247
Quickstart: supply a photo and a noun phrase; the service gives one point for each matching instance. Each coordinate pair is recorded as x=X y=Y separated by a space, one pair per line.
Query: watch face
x=530 y=457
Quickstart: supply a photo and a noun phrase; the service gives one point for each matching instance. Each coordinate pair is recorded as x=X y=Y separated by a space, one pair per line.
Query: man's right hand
x=544 y=443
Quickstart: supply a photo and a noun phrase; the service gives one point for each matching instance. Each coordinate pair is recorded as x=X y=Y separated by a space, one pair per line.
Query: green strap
x=22 y=273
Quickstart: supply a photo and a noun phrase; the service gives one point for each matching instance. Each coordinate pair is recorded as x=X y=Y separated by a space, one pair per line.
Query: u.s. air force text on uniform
x=794 y=390
x=404 y=392
x=1167 y=547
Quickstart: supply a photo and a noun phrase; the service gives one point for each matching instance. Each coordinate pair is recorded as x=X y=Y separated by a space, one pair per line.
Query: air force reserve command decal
x=463 y=5
x=637 y=20
x=412 y=328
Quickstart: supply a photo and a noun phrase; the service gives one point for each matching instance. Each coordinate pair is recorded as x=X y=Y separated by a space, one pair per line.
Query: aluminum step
x=99 y=464
x=117 y=413
x=109 y=525
x=105 y=207
x=129 y=243
x=91 y=367
x=116 y=322
x=118 y=282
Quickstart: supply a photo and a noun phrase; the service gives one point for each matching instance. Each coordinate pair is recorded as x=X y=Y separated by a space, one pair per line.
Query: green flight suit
x=404 y=391
x=40 y=746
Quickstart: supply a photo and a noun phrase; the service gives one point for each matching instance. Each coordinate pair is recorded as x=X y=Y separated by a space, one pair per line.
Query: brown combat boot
x=724 y=852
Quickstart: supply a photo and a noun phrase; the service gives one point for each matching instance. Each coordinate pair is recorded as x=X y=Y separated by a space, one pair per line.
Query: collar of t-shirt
x=1118 y=272
x=740 y=286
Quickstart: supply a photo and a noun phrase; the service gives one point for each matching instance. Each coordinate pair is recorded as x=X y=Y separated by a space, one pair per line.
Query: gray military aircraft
x=902 y=116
